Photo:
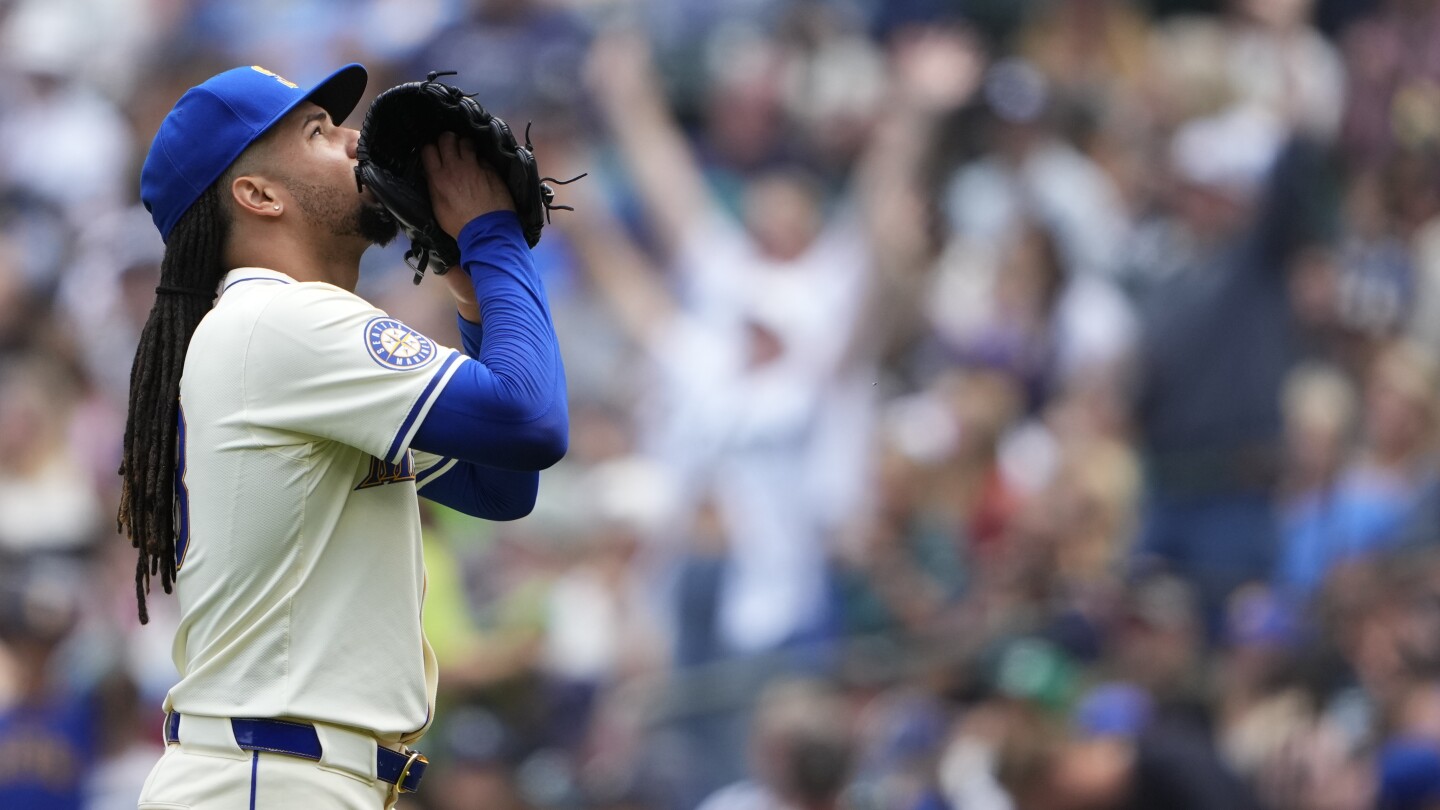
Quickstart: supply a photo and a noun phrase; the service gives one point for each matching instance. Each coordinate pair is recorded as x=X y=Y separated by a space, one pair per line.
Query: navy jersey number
x=182 y=495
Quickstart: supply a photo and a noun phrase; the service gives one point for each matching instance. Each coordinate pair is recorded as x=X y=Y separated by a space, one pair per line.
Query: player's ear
x=256 y=194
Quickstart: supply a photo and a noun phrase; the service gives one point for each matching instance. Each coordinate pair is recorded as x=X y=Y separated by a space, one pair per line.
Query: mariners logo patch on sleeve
x=394 y=345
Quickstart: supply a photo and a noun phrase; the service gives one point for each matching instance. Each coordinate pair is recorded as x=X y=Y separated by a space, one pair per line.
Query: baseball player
x=281 y=429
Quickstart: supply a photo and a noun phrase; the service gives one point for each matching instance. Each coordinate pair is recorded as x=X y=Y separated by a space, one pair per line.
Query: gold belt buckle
x=396 y=789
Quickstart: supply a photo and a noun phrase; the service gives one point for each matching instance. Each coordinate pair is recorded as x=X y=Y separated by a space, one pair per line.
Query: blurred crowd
x=976 y=404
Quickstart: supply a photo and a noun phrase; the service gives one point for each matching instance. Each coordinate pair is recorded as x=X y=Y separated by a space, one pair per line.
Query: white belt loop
x=212 y=735
x=347 y=750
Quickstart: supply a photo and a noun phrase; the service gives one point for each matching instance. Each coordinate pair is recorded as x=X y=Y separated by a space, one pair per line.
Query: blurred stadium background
x=977 y=404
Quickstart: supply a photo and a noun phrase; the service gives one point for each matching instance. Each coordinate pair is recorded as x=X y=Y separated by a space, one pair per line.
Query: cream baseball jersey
x=301 y=580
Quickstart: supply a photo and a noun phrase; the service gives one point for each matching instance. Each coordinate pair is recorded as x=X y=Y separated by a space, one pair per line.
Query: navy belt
x=301 y=740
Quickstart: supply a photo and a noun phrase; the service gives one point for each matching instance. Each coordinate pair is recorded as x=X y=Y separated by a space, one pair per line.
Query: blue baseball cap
x=214 y=122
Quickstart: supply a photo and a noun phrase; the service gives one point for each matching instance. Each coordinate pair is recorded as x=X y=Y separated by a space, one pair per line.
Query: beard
x=374 y=224
x=344 y=214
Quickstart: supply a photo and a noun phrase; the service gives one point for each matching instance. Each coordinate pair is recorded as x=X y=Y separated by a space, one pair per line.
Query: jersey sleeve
x=321 y=362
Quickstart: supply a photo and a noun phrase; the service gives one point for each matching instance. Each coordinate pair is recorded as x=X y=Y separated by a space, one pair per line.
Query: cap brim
x=339 y=92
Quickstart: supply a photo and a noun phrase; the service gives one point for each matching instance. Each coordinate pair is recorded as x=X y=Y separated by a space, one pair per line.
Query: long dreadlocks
x=189 y=273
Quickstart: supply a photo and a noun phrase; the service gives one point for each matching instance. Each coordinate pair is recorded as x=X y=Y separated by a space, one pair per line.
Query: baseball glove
x=407 y=117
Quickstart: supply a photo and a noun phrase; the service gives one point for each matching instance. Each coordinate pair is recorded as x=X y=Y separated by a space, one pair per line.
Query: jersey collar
x=241 y=275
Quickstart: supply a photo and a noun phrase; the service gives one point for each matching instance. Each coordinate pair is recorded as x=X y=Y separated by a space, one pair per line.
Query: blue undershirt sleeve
x=503 y=415
x=483 y=492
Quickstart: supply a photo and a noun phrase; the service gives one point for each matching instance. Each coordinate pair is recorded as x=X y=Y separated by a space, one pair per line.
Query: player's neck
x=337 y=264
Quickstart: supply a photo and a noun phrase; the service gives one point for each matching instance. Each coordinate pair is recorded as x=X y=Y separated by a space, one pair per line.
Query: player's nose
x=352 y=139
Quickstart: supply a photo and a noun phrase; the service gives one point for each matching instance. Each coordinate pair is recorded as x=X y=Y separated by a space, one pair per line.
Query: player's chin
x=376 y=225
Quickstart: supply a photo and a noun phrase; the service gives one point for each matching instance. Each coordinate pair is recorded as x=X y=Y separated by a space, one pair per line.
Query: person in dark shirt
x=1219 y=338
x=48 y=735
x=1126 y=753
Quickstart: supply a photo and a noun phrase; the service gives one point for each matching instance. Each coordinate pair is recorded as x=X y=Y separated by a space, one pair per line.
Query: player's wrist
x=490 y=223
x=457 y=281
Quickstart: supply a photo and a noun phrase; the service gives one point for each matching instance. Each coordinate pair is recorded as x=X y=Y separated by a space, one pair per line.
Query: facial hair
x=375 y=224
x=340 y=214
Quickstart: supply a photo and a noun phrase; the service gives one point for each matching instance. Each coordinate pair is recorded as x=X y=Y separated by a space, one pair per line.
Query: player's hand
x=461 y=187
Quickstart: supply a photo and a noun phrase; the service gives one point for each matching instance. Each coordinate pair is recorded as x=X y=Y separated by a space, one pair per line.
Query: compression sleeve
x=507 y=407
x=480 y=491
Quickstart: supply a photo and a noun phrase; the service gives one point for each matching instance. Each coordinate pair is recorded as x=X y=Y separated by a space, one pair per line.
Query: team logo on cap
x=276 y=76
x=395 y=345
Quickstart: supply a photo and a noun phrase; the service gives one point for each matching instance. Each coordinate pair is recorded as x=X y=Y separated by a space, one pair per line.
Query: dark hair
x=192 y=267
